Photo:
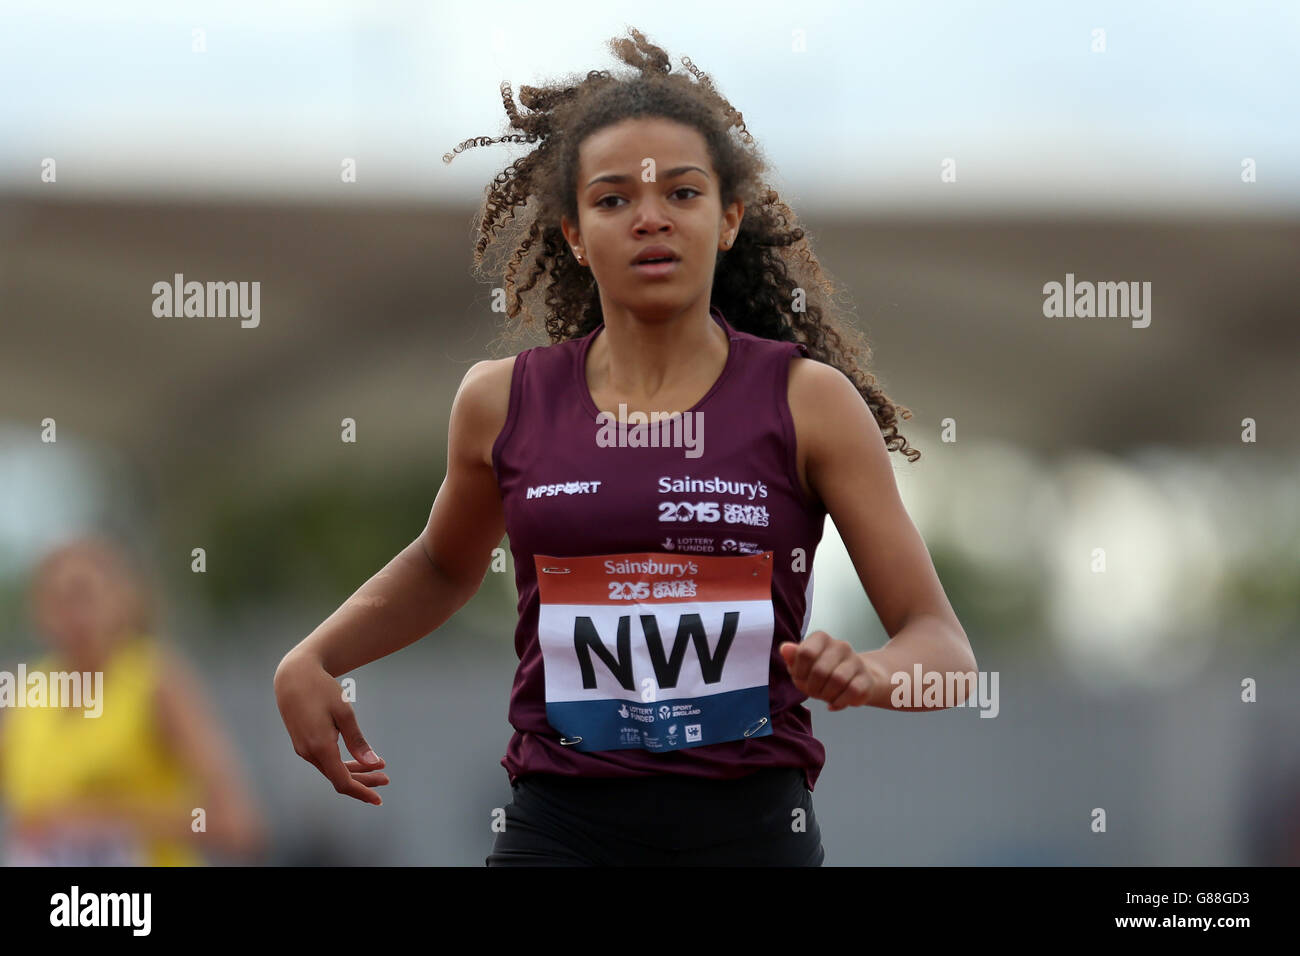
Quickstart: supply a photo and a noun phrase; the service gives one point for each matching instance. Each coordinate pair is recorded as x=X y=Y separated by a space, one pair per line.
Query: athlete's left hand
x=830 y=670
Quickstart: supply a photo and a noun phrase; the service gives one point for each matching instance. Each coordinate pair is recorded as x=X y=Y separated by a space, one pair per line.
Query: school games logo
x=728 y=512
x=708 y=511
x=564 y=488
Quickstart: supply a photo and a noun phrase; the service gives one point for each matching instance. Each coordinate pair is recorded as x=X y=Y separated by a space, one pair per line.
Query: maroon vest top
x=658 y=568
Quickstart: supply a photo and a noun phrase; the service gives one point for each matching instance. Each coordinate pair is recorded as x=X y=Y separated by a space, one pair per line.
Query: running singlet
x=657 y=573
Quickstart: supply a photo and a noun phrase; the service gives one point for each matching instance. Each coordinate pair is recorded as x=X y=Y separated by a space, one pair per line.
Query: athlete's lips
x=655 y=252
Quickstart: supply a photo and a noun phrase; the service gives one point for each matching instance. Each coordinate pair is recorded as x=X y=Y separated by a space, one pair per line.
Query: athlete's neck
x=642 y=360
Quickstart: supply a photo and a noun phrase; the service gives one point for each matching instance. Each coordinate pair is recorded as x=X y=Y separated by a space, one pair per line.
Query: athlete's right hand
x=315 y=713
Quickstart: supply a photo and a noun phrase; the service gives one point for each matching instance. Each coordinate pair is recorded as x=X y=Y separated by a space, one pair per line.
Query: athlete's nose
x=652 y=220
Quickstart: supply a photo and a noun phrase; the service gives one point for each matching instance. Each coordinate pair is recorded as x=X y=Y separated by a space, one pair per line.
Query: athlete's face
x=649 y=182
x=80 y=607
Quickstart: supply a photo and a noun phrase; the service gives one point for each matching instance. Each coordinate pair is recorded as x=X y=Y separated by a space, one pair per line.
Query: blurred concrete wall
x=370 y=310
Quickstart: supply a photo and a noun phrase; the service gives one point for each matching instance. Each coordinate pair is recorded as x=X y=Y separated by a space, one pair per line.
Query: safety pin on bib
x=756 y=727
x=565 y=742
x=557 y=570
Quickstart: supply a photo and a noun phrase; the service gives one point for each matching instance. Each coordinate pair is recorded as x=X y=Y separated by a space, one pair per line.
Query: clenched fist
x=830 y=670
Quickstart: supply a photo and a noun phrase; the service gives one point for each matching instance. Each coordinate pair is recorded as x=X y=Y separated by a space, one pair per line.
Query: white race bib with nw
x=657 y=651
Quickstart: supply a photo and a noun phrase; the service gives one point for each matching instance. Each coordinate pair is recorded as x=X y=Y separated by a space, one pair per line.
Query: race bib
x=657 y=651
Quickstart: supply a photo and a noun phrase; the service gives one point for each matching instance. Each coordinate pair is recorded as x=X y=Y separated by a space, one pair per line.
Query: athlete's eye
x=601 y=201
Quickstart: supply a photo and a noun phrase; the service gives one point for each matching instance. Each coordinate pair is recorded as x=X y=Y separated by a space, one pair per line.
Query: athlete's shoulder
x=480 y=407
x=821 y=399
x=487 y=377
x=815 y=384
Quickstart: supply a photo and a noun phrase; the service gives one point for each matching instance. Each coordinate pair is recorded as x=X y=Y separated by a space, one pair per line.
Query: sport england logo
x=629 y=650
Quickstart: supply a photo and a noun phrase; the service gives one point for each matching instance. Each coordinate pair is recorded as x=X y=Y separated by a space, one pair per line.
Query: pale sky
x=862 y=119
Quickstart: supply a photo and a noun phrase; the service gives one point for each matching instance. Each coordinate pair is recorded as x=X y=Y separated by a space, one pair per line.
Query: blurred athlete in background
x=120 y=788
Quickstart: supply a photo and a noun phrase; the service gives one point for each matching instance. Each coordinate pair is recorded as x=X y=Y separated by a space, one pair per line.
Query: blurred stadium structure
x=1119 y=690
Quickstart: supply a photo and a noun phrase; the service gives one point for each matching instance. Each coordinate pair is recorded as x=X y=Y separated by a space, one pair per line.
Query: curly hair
x=768 y=283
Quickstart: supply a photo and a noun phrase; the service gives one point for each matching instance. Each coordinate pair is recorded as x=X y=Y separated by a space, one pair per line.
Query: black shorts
x=762 y=819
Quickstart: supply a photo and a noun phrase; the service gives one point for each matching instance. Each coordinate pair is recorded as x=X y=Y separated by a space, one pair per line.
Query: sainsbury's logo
x=714 y=486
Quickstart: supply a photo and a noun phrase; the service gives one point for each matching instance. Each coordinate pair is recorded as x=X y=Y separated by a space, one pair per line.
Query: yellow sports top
x=52 y=756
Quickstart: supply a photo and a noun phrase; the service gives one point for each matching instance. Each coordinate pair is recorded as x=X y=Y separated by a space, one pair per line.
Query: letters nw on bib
x=654 y=651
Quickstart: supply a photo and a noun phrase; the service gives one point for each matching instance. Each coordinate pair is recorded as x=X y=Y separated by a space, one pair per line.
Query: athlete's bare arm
x=466 y=522
x=415 y=593
x=842 y=454
x=437 y=573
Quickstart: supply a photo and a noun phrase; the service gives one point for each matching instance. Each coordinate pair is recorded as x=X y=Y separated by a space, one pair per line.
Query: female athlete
x=662 y=557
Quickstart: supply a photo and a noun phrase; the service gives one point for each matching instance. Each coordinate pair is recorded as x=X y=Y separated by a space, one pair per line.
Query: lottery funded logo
x=695 y=544
x=687 y=543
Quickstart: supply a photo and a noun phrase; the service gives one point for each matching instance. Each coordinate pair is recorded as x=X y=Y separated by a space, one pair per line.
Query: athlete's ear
x=572 y=237
x=731 y=217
